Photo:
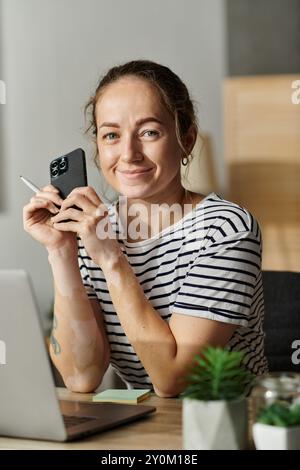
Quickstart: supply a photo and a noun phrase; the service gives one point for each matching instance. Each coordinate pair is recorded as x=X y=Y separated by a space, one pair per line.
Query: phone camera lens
x=54 y=164
x=54 y=172
x=63 y=165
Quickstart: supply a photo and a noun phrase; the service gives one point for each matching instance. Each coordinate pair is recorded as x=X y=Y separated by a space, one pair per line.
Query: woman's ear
x=190 y=138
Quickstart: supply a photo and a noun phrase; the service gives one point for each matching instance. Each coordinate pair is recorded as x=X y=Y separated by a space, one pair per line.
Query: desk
x=159 y=430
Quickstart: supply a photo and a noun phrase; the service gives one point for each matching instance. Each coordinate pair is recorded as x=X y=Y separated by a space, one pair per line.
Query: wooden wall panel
x=262 y=150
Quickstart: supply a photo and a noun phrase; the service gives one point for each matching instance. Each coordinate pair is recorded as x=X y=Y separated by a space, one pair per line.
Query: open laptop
x=29 y=406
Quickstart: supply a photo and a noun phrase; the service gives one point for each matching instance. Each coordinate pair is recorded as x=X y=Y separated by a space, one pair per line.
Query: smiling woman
x=131 y=121
x=148 y=304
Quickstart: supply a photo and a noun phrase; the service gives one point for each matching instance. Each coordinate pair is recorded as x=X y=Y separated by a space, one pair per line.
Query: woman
x=147 y=304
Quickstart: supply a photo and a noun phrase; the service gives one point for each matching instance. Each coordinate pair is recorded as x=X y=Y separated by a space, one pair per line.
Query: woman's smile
x=135 y=174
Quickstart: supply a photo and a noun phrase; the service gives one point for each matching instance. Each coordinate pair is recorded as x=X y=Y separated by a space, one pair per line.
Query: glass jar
x=272 y=400
x=276 y=387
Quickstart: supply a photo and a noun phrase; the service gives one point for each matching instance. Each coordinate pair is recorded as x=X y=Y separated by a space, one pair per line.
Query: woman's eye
x=151 y=133
x=109 y=135
x=112 y=135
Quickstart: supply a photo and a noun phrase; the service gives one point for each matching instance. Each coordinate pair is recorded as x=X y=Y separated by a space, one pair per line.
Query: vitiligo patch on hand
x=101 y=211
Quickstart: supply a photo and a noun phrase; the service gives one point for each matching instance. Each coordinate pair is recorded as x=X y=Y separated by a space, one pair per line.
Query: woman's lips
x=135 y=175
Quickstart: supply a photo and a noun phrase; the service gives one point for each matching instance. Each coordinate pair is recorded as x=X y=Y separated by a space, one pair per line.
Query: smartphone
x=68 y=172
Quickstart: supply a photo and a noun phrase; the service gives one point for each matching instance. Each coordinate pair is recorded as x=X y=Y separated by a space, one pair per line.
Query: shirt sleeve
x=221 y=281
x=84 y=272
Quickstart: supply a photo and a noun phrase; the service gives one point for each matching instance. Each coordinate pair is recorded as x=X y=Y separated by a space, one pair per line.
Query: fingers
x=50 y=187
x=66 y=226
x=80 y=201
x=48 y=195
x=71 y=213
x=88 y=192
x=30 y=208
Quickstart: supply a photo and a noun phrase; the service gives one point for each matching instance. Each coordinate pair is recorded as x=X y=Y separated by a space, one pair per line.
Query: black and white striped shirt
x=206 y=265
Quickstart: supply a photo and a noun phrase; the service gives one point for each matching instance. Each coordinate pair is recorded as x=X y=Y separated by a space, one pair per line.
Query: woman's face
x=136 y=132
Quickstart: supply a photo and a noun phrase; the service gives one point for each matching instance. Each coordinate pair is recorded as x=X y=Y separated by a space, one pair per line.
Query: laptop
x=29 y=406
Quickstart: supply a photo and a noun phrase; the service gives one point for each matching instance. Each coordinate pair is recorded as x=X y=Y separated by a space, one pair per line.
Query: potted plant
x=277 y=427
x=214 y=401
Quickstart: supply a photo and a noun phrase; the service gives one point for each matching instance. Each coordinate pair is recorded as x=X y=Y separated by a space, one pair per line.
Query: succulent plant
x=280 y=414
x=218 y=374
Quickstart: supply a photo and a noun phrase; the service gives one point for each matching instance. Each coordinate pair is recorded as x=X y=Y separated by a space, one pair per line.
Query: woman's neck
x=144 y=218
x=175 y=195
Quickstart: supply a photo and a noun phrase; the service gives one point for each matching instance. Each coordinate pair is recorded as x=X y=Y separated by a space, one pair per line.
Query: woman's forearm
x=76 y=344
x=148 y=333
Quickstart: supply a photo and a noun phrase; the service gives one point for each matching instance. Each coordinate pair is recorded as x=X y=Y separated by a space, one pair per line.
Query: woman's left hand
x=84 y=222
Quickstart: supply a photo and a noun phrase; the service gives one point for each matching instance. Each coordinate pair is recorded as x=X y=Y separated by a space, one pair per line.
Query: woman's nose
x=131 y=150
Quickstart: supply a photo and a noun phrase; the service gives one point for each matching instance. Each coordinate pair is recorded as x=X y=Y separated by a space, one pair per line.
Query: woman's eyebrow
x=139 y=122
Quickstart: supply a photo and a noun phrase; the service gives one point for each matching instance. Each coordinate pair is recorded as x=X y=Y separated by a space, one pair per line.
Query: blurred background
x=239 y=59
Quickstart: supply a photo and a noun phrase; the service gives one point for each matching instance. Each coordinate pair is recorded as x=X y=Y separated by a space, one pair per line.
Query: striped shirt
x=206 y=265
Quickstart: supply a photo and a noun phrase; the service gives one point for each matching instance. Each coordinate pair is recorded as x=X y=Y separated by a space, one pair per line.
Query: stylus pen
x=30 y=185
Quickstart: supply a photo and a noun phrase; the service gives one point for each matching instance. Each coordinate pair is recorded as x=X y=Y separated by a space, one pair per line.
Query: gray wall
x=263 y=36
x=52 y=52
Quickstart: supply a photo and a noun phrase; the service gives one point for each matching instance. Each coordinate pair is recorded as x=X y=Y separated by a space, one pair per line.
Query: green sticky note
x=122 y=395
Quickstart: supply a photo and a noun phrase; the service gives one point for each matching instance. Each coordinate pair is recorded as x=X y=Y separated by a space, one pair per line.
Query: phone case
x=68 y=172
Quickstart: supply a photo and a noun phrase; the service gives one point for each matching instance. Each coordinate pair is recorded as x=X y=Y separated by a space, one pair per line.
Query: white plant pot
x=267 y=437
x=214 y=425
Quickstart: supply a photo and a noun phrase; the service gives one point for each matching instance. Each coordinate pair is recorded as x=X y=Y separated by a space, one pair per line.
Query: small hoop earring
x=185 y=160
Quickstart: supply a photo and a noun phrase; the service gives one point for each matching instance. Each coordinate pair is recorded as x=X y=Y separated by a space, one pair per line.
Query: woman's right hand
x=37 y=220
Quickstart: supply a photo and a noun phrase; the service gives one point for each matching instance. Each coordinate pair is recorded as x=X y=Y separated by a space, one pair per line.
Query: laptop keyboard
x=76 y=420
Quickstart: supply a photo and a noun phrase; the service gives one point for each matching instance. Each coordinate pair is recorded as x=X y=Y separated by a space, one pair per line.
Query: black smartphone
x=68 y=172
